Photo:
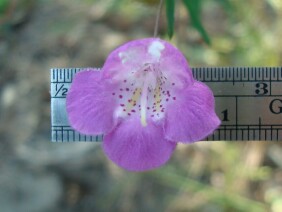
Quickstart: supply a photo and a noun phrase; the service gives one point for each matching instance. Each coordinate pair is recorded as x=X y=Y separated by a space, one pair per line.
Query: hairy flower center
x=145 y=92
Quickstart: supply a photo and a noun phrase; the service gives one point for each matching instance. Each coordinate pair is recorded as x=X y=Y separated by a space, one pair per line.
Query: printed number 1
x=225 y=115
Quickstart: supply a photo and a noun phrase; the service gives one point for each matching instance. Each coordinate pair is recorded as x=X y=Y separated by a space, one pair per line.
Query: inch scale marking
x=248 y=102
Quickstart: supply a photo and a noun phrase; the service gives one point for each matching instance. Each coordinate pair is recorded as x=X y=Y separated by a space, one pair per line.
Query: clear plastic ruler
x=248 y=102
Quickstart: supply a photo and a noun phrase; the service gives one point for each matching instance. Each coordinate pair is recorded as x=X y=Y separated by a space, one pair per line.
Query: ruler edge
x=192 y=69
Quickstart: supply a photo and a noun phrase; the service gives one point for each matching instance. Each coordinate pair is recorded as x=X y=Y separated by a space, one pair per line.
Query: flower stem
x=158 y=18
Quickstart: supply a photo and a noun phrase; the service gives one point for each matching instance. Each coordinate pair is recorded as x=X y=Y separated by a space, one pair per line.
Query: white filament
x=143 y=102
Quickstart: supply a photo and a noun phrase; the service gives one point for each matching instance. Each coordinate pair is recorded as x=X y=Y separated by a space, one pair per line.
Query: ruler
x=248 y=102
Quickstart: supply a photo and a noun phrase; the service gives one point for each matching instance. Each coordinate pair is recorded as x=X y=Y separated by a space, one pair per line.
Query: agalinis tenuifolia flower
x=144 y=100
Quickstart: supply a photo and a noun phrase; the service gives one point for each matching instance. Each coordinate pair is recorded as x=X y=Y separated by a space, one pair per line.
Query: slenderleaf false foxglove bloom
x=144 y=100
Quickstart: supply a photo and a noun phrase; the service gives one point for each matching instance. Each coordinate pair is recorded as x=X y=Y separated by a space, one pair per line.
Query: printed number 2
x=225 y=115
x=262 y=88
x=64 y=91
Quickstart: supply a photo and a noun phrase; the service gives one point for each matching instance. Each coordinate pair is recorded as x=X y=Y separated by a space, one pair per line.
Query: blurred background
x=37 y=175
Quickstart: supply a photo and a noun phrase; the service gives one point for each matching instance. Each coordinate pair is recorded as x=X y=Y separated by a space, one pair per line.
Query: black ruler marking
x=259 y=128
x=221 y=74
x=236 y=116
x=67 y=134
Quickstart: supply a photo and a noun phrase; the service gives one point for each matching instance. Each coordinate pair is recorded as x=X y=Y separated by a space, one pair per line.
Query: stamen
x=134 y=98
x=157 y=97
x=148 y=95
x=144 y=103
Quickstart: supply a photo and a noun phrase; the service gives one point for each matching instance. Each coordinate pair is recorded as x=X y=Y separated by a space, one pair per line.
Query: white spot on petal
x=123 y=57
x=155 y=49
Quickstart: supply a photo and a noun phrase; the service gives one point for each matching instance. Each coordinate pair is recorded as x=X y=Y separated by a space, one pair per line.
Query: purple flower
x=144 y=100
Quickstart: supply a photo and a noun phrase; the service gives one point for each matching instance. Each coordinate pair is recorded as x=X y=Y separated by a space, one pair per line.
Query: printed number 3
x=262 y=88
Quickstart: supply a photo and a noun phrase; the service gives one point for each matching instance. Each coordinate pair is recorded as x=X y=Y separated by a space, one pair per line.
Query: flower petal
x=133 y=55
x=137 y=148
x=175 y=66
x=89 y=108
x=192 y=116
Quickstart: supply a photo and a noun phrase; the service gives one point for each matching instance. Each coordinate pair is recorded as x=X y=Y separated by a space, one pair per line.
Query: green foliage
x=226 y=4
x=3 y=6
x=170 y=5
x=227 y=199
x=194 y=8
